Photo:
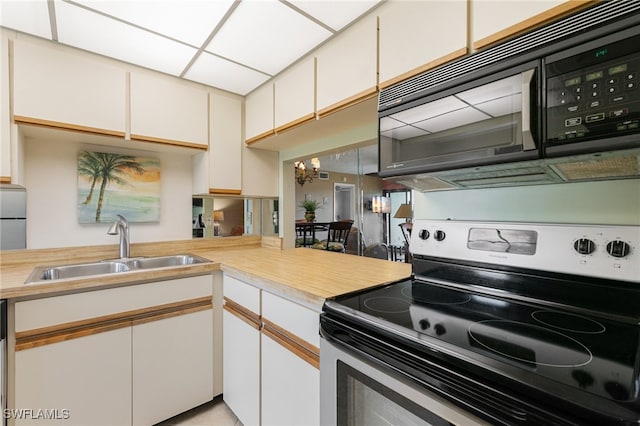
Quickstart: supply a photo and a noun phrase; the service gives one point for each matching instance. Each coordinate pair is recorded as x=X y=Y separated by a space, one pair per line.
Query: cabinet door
x=259 y=113
x=85 y=381
x=295 y=95
x=419 y=35
x=167 y=110
x=225 y=150
x=5 y=115
x=347 y=67
x=241 y=368
x=172 y=365
x=290 y=387
x=57 y=87
x=495 y=20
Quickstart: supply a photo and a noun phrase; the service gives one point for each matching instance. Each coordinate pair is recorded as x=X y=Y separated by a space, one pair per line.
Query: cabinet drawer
x=294 y=318
x=242 y=293
x=33 y=314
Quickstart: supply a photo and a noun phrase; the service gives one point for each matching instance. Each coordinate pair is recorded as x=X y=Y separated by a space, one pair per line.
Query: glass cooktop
x=595 y=354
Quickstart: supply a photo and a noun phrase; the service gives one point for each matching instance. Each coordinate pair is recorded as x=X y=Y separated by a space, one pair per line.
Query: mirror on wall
x=214 y=217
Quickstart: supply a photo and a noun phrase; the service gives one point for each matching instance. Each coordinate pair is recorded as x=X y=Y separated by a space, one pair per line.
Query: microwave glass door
x=468 y=127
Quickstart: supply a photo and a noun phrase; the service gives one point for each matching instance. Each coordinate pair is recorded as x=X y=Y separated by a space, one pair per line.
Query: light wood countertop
x=306 y=275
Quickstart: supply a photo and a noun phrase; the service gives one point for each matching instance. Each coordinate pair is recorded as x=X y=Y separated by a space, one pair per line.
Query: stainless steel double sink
x=42 y=274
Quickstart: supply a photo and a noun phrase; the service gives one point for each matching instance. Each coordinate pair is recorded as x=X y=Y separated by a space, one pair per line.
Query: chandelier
x=303 y=175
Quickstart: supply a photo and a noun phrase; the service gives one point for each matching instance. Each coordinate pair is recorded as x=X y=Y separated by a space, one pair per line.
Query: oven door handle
x=528 y=143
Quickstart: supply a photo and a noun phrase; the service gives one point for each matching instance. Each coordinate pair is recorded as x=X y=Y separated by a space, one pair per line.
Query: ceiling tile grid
x=232 y=45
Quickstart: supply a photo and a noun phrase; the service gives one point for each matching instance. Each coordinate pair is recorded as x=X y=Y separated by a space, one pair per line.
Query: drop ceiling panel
x=113 y=38
x=188 y=21
x=217 y=72
x=27 y=16
x=266 y=36
x=248 y=41
x=335 y=14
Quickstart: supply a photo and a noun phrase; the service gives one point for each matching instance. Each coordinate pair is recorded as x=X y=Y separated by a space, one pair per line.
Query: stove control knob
x=439 y=235
x=439 y=329
x=424 y=324
x=423 y=234
x=584 y=246
x=618 y=248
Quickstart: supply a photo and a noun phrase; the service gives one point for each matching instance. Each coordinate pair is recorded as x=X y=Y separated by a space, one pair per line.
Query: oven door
x=489 y=120
x=356 y=392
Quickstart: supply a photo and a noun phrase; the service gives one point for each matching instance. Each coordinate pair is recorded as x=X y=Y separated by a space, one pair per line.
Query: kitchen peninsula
x=115 y=329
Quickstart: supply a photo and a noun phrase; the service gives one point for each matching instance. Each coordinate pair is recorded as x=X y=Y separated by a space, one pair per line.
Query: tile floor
x=213 y=413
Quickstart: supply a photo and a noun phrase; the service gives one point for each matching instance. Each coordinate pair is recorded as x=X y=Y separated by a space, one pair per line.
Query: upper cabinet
x=168 y=110
x=5 y=115
x=295 y=95
x=225 y=148
x=495 y=20
x=347 y=67
x=60 y=88
x=419 y=35
x=259 y=113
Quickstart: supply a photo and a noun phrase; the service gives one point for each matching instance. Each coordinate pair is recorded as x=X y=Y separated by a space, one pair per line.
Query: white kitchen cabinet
x=61 y=88
x=241 y=350
x=294 y=97
x=290 y=363
x=259 y=172
x=290 y=387
x=347 y=67
x=225 y=149
x=168 y=110
x=495 y=20
x=415 y=36
x=241 y=368
x=259 y=113
x=5 y=115
x=136 y=354
x=87 y=381
x=271 y=357
x=172 y=365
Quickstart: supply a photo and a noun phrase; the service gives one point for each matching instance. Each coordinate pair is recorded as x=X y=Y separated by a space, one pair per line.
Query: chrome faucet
x=121 y=226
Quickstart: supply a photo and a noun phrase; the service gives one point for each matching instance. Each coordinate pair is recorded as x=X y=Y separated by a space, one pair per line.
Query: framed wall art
x=111 y=183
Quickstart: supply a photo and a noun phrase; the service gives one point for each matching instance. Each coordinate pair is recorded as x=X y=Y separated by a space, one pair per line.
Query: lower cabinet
x=241 y=368
x=172 y=365
x=83 y=381
x=271 y=357
x=149 y=357
x=290 y=387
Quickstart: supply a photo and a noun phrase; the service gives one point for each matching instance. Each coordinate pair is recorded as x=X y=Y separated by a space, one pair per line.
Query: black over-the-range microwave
x=574 y=95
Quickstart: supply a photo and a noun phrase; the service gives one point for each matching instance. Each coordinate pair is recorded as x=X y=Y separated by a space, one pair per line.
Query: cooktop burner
x=529 y=343
x=597 y=355
x=387 y=305
x=436 y=295
x=568 y=322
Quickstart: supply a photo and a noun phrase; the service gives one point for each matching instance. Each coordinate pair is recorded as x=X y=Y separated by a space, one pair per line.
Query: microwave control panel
x=594 y=94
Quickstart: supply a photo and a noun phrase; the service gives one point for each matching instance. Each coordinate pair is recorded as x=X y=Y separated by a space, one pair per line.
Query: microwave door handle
x=528 y=143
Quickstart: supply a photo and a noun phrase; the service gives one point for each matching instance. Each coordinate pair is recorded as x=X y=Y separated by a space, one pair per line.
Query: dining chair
x=305 y=236
x=337 y=236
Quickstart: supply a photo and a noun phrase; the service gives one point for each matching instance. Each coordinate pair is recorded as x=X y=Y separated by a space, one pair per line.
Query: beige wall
x=52 y=187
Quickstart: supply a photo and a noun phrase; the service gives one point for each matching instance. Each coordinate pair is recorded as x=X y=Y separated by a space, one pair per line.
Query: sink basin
x=49 y=273
x=75 y=271
x=165 y=261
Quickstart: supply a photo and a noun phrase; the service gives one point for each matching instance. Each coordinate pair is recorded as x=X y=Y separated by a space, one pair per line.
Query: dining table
x=306 y=232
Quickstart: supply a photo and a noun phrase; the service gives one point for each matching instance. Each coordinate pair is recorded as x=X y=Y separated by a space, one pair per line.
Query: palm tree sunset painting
x=111 y=184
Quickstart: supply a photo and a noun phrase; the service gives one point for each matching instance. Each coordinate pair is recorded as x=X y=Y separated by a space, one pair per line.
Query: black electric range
x=547 y=315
